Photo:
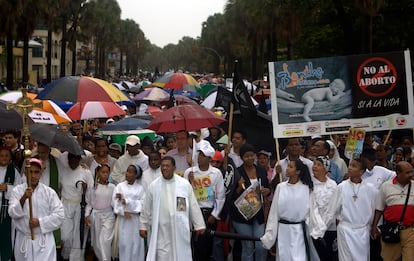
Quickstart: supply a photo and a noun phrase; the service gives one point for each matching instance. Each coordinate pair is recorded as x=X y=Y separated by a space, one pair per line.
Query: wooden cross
x=24 y=106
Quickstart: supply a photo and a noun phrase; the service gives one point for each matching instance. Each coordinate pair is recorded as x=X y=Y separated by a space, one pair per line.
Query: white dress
x=131 y=245
x=99 y=208
x=48 y=209
x=291 y=202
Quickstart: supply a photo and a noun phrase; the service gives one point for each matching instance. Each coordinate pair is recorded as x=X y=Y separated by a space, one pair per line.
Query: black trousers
x=327 y=247
x=203 y=244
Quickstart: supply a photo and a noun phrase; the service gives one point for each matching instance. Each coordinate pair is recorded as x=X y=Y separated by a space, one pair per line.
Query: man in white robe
x=48 y=216
x=170 y=210
x=154 y=170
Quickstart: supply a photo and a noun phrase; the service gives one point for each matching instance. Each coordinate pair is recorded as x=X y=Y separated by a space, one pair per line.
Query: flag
x=223 y=99
x=243 y=101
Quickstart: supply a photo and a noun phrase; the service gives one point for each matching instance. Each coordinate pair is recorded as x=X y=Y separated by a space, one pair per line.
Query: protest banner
x=325 y=96
x=355 y=142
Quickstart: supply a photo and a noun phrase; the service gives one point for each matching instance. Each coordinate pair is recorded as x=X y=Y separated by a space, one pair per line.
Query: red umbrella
x=92 y=110
x=184 y=117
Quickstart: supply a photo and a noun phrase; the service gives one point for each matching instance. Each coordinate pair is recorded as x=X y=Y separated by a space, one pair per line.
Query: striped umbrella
x=180 y=81
x=94 y=109
x=81 y=89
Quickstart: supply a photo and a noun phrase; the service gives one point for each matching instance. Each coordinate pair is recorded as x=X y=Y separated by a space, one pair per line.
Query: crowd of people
x=165 y=199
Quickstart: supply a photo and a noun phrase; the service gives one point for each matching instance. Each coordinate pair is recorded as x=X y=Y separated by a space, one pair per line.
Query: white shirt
x=148 y=176
x=378 y=175
x=121 y=165
x=285 y=162
x=324 y=193
x=208 y=188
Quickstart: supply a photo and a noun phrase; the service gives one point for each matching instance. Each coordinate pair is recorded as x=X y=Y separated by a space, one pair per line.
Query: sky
x=167 y=21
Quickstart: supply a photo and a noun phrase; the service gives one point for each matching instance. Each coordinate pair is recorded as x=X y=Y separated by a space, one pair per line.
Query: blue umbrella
x=126 y=124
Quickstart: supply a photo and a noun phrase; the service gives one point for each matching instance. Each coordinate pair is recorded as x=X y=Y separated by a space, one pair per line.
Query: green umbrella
x=206 y=89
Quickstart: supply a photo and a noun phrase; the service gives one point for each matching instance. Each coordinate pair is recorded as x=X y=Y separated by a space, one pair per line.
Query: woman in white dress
x=127 y=200
x=99 y=214
x=289 y=214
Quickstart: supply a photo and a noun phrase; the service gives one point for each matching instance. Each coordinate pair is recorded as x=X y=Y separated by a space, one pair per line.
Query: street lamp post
x=216 y=54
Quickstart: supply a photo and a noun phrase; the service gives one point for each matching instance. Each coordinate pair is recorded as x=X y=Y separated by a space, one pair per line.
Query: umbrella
x=152 y=94
x=82 y=217
x=50 y=113
x=179 y=99
x=126 y=124
x=153 y=110
x=180 y=81
x=52 y=136
x=210 y=101
x=94 y=109
x=206 y=89
x=81 y=89
x=184 y=117
x=119 y=86
x=10 y=119
x=143 y=84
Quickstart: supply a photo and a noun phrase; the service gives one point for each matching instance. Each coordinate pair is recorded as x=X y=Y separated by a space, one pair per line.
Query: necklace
x=355 y=196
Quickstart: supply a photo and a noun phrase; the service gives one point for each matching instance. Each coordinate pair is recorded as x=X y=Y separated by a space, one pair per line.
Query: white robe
x=355 y=219
x=102 y=219
x=48 y=209
x=291 y=202
x=131 y=245
x=71 y=198
x=170 y=210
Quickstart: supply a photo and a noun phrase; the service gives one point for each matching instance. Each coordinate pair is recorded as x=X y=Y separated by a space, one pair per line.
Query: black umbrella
x=230 y=235
x=130 y=123
x=83 y=206
x=10 y=119
x=52 y=136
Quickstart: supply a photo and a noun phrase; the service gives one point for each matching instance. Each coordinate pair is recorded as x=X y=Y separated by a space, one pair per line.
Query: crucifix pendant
x=355 y=197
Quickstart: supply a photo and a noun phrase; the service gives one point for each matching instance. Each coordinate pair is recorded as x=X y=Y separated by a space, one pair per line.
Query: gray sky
x=167 y=21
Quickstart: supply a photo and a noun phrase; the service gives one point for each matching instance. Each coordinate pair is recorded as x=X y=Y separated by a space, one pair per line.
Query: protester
x=101 y=156
x=132 y=156
x=238 y=139
x=147 y=145
x=115 y=150
x=127 y=201
x=154 y=170
x=48 y=215
x=288 y=214
x=381 y=153
x=170 y=211
x=9 y=177
x=354 y=205
x=324 y=189
x=390 y=203
x=376 y=175
x=12 y=142
x=334 y=157
x=207 y=182
x=293 y=153
x=182 y=153
x=74 y=181
x=250 y=174
x=322 y=148
x=98 y=213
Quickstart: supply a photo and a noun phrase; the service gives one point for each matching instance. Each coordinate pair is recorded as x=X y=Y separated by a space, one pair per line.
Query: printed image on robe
x=181 y=205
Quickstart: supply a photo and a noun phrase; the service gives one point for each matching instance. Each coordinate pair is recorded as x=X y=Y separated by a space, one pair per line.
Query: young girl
x=127 y=200
x=288 y=215
x=99 y=214
x=355 y=207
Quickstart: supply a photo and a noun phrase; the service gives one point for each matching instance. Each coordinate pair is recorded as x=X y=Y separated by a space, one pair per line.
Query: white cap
x=124 y=107
x=132 y=140
x=206 y=149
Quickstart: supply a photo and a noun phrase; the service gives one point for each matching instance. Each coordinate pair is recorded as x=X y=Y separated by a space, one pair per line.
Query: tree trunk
x=10 y=62
x=74 y=60
x=253 y=58
x=49 y=54
x=25 y=72
x=63 y=49
x=346 y=25
x=121 y=61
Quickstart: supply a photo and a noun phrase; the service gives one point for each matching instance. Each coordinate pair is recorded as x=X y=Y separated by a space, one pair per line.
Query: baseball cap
x=124 y=107
x=206 y=149
x=36 y=161
x=132 y=140
x=264 y=153
x=217 y=156
x=115 y=146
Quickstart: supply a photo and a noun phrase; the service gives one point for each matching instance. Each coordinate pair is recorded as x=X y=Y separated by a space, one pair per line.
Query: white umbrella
x=210 y=101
